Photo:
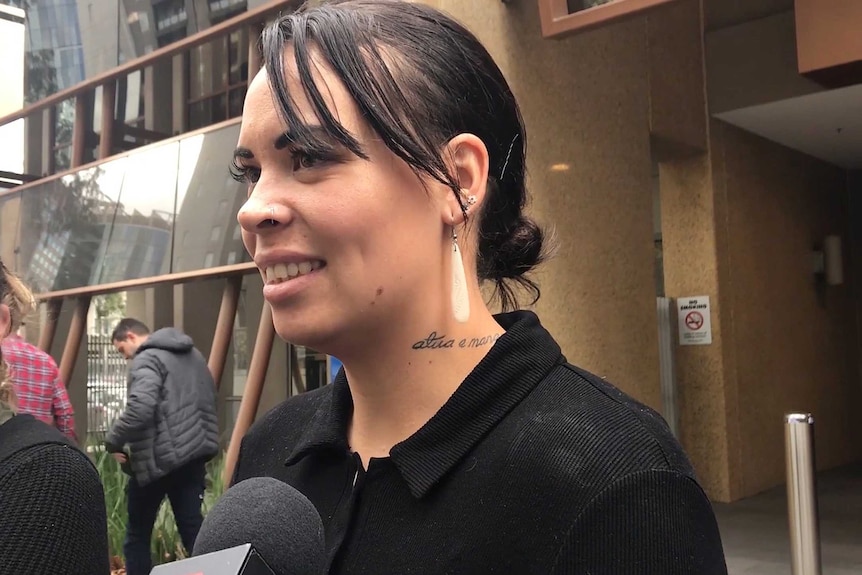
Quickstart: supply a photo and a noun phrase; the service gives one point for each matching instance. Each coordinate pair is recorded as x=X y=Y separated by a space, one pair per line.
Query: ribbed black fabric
x=532 y=467
x=52 y=506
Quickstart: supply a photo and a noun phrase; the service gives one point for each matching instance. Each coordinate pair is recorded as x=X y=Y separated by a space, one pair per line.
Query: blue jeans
x=184 y=488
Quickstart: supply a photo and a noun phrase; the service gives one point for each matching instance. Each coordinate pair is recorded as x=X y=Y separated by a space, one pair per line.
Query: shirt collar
x=516 y=363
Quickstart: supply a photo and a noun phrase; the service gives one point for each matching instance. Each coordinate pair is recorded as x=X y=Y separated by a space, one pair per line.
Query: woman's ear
x=467 y=159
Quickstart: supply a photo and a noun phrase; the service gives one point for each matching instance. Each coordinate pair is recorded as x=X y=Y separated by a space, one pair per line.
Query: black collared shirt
x=532 y=466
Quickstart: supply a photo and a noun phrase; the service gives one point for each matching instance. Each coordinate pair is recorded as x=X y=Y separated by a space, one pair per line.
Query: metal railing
x=106 y=385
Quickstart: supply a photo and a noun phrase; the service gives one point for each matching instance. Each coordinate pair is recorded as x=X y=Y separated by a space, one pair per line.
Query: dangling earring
x=460 y=297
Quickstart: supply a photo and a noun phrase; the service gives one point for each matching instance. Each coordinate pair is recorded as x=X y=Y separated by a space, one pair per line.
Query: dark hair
x=419 y=79
x=129 y=325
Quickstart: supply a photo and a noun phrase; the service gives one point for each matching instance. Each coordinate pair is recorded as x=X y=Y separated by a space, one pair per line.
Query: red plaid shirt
x=37 y=384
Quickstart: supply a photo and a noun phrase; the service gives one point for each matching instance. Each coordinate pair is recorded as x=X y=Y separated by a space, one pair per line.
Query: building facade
x=682 y=150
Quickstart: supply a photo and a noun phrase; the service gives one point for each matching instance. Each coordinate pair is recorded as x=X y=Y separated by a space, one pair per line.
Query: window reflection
x=64 y=227
x=218 y=75
x=208 y=200
x=64 y=120
x=140 y=244
x=70 y=41
x=115 y=221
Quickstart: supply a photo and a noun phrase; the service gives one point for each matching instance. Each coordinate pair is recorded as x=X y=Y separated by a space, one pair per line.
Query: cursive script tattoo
x=479 y=341
x=434 y=341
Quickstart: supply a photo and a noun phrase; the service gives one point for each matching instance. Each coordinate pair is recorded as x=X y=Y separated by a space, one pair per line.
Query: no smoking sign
x=694 y=320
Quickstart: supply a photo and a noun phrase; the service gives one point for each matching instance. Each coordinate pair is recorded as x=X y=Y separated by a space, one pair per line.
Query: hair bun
x=507 y=258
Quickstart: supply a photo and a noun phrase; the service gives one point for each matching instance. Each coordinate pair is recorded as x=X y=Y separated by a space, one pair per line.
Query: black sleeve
x=647 y=523
x=52 y=514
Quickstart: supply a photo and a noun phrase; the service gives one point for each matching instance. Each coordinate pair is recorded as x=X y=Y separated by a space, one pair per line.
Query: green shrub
x=166 y=542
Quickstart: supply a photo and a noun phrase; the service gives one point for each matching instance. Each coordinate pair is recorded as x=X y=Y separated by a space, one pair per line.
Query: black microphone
x=260 y=526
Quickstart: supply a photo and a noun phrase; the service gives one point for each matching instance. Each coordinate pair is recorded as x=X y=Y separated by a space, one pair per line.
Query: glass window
x=69 y=221
x=68 y=44
x=218 y=75
x=115 y=221
x=207 y=198
x=140 y=245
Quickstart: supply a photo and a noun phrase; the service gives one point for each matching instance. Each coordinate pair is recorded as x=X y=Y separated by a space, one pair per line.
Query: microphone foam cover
x=279 y=521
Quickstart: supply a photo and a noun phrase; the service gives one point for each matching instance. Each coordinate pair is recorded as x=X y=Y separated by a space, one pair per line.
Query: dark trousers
x=184 y=488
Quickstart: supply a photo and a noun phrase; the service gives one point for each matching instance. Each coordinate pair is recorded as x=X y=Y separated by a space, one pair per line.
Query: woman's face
x=353 y=243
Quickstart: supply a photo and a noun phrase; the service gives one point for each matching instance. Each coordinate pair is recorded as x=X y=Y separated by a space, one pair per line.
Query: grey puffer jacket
x=170 y=417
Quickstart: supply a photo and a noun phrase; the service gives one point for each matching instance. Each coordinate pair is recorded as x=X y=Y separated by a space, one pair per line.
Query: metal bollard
x=802 y=494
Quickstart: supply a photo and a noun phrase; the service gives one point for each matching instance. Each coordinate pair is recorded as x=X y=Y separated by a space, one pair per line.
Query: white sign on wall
x=695 y=327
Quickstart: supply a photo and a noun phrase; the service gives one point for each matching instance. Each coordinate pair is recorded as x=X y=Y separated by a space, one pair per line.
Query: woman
x=52 y=507
x=384 y=156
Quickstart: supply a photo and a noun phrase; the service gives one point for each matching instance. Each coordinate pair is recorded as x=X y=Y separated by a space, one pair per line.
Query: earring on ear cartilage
x=460 y=297
x=468 y=199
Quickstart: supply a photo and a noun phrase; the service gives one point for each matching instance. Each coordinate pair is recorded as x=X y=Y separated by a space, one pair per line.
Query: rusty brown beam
x=253 y=388
x=224 y=327
x=79 y=131
x=46 y=335
x=109 y=100
x=180 y=277
x=73 y=342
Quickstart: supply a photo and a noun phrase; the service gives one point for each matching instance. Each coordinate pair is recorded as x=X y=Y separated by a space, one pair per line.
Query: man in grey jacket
x=170 y=428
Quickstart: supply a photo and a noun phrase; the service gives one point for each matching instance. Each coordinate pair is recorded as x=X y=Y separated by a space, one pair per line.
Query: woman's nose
x=257 y=215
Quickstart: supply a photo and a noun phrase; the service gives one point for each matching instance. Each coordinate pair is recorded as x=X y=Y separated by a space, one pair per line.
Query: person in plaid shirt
x=37 y=383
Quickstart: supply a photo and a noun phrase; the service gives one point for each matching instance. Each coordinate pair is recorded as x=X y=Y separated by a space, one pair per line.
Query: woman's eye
x=303 y=161
x=244 y=174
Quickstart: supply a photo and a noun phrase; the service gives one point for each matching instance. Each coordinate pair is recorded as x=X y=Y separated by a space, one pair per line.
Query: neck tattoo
x=434 y=341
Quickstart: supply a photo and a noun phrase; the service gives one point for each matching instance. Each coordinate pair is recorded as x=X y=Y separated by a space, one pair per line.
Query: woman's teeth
x=283 y=272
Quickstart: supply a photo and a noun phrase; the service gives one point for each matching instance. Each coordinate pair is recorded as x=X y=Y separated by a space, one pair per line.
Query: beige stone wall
x=795 y=344
x=585 y=103
x=692 y=244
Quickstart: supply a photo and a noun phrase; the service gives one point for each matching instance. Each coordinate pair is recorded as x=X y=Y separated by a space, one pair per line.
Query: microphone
x=260 y=526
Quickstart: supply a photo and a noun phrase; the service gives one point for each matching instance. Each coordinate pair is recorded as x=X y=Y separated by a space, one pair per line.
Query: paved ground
x=755 y=531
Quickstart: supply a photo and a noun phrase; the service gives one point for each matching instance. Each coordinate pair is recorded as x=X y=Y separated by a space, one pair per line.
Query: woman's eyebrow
x=285 y=140
x=315 y=132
